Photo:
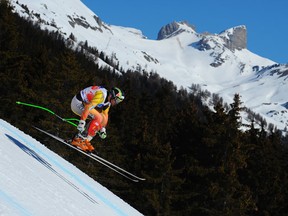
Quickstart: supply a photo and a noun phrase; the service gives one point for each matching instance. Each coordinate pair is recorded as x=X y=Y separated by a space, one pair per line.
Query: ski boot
x=83 y=143
x=79 y=143
x=89 y=146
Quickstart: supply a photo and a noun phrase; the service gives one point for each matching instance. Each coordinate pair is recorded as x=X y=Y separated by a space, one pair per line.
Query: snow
x=36 y=181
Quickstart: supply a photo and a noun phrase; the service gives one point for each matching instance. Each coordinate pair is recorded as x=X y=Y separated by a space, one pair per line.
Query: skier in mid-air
x=93 y=102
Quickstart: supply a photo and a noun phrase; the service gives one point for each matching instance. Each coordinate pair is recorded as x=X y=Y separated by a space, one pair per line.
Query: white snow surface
x=36 y=181
x=176 y=58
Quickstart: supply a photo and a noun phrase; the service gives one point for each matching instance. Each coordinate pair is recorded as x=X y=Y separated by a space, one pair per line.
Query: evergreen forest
x=196 y=161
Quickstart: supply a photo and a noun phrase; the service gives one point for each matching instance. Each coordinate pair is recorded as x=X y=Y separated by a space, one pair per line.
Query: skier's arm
x=105 y=116
x=97 y=99
x=86 y=111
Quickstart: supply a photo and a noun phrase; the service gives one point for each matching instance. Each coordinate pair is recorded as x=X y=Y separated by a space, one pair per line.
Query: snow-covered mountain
x=220 y=63
x=36 y=181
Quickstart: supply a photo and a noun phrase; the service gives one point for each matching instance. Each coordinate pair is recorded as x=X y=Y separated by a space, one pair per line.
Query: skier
x=93 y=102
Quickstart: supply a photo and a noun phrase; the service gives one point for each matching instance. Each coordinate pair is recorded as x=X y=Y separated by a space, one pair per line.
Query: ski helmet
x=117 y=94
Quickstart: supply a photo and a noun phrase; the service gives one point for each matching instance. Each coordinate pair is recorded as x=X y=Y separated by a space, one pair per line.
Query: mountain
x=219 y=63
x=36 y=181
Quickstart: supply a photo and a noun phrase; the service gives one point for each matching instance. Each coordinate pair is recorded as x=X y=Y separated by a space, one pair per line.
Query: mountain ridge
x=220 y=63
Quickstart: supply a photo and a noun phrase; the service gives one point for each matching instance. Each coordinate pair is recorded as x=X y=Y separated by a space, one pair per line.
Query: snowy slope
x=179 y=57
x=36 y=181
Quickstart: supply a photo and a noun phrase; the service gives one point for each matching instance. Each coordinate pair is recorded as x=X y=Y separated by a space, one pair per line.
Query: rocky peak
x=235 y=38
x=174 y=28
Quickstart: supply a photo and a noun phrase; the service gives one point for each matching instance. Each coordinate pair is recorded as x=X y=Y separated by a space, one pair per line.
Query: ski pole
x=69 y=120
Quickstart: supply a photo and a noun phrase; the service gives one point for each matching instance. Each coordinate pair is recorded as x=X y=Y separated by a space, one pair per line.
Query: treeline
x=196 y=162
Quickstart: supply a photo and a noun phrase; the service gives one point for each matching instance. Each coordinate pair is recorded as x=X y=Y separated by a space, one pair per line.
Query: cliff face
x=172 y=29
x=235 y=38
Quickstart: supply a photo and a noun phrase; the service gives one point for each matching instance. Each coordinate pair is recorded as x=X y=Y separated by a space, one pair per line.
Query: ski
x=97 y=158
x=117 y=167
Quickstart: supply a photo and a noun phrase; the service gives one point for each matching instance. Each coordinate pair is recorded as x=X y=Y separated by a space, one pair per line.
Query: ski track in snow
x=10 y=201
x=25 y=143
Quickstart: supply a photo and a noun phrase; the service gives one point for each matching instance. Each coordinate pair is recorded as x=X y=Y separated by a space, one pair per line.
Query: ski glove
x=102 y=133
x=81 y=126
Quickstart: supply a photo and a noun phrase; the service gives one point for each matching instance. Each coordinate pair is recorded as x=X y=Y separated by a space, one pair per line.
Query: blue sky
x=266 y=20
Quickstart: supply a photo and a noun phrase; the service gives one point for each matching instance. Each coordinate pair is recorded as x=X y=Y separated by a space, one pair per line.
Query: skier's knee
x=94 y=126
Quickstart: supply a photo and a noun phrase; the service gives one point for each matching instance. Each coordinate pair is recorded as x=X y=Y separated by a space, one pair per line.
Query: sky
x=266 y=20
x=36 y=181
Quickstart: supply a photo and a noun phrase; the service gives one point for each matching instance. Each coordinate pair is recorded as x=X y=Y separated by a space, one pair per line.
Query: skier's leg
x=94 y=126
x=99 y=120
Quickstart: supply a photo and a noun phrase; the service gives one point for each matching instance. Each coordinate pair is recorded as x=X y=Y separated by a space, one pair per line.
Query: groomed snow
x=36 y=181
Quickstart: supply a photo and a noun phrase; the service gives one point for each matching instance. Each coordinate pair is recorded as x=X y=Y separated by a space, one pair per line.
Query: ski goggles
x=118 y=97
